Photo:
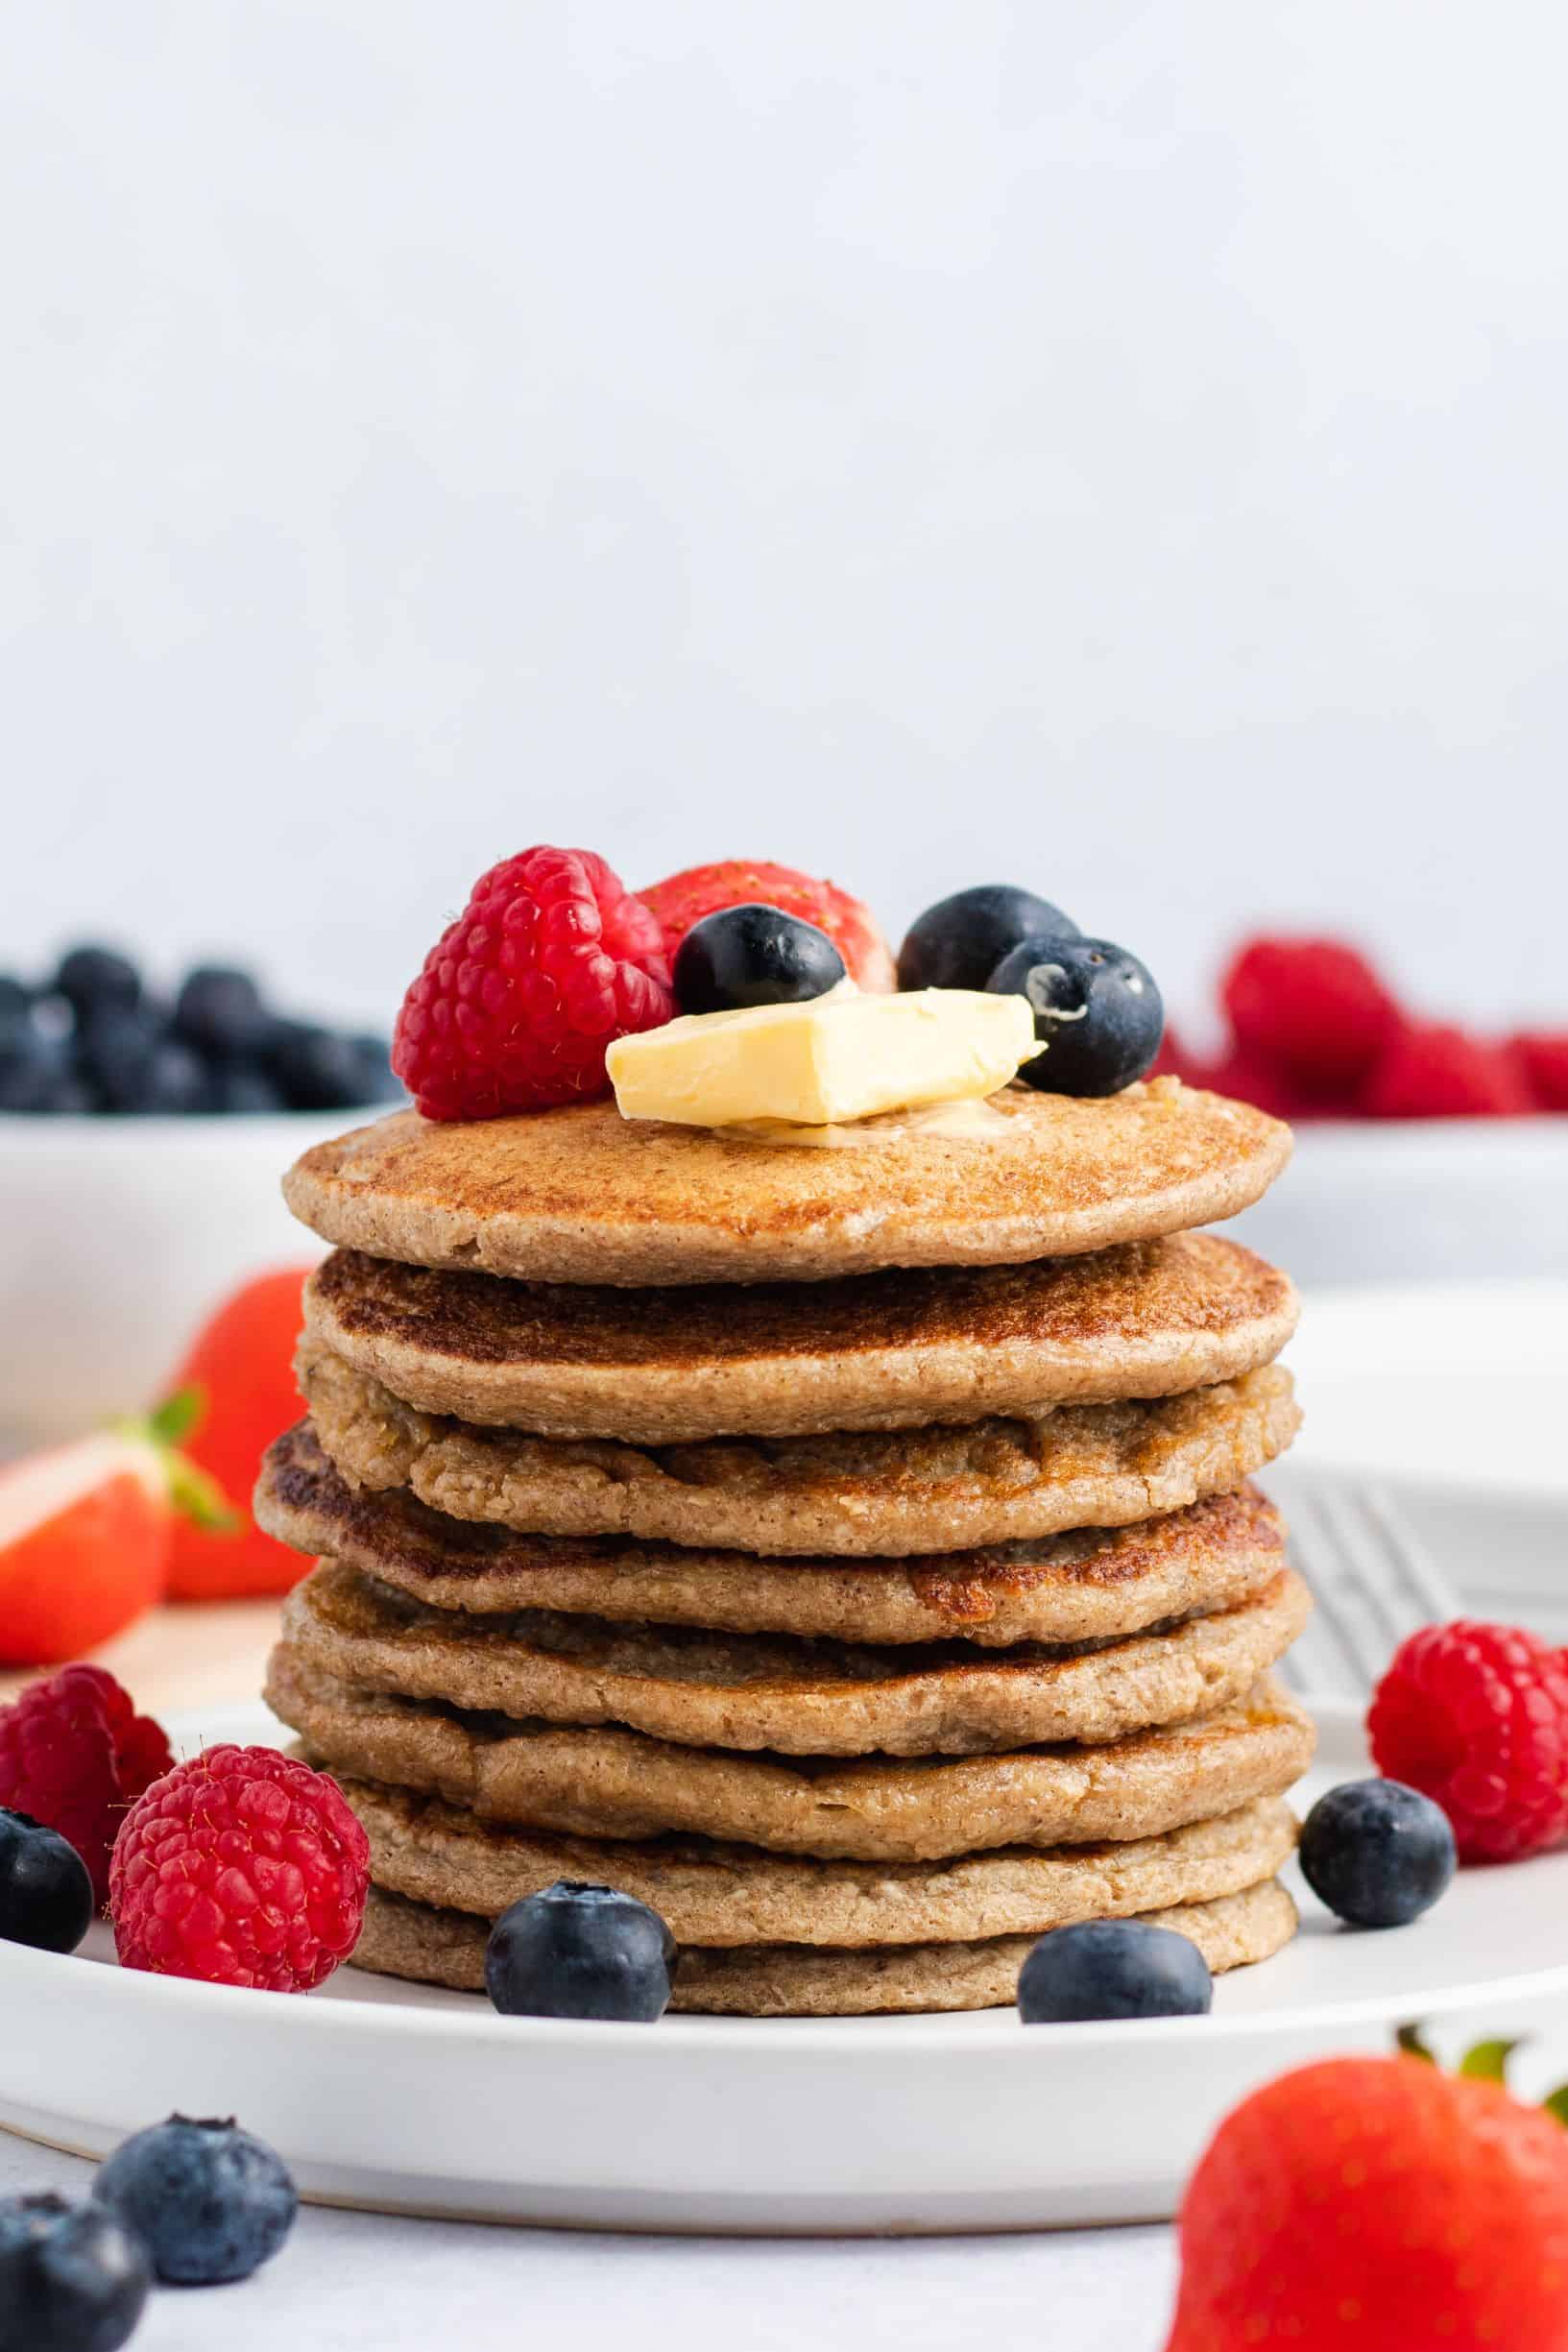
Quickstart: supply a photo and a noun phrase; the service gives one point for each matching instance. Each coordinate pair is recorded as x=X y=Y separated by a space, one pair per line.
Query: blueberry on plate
x=235 y=1087
x=219 y=1011
x=753 y=955
x=72 y=2277
x=35 y=1070
x=316 y=1068
x=97 y=980
x=578 y=1951
x=959 y=942
x=45 y=1892
x=209 y=2202
x=1377 y=1854
x=1111 y=1968
x=1098 y=1014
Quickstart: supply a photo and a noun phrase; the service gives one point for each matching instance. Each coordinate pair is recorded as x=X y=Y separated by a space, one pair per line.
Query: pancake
x=788 y=1359
x=611 y=1782
x=882 y=1492
x=581 y=1195
x=1079 y=1586
x=775 y=1691
x=711 y=1893
x=415 y=1940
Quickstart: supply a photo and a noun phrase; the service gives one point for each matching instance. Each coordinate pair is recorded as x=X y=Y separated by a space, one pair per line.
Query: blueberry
x=97 y=979
x=379 y=1082
x=1098 y=1014
x=753 y=955
x=959 y=942
x=137 y=1068
x=32 y=1067
x=316 y=1068
x=219 y=1011
x=46 y=1895
x=72 y=2278
x=209 y=2202
x=578 y=1951
x=1113 y=1968
x=15 y=996
x=243 y=1087
x=1377 y=1853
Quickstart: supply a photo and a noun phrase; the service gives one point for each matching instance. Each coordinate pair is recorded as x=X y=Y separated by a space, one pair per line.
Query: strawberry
x=85 y=1534
x=1376 y=2201
x=684 y=898
x=241 y=1369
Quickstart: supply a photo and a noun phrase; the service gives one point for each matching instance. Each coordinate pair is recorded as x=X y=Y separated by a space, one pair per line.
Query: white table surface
x=1437 y=1384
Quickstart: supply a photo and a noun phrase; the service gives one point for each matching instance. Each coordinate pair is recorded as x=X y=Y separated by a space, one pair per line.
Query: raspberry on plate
x=1476 y=1717
x=1430 y=1070
x=683 y=899
x=1315 y=1011
x=240 y=1867
x=549 y=962
x=1544 y=1057
x=73 y=1754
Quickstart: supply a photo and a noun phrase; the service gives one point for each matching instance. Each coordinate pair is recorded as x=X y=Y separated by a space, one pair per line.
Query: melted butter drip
x=974 y=1120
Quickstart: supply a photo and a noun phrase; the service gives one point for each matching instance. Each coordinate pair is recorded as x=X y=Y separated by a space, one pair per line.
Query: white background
x=1116 y=446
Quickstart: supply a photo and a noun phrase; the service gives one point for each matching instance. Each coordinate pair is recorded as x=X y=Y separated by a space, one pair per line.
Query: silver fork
x=1373 y=1580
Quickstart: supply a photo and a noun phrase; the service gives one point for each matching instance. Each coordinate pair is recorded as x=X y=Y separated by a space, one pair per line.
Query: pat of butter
x=835 y=1057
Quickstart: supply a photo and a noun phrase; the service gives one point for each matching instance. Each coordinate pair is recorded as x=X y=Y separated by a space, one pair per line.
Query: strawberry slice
x=85 y=1534
x=683 y=899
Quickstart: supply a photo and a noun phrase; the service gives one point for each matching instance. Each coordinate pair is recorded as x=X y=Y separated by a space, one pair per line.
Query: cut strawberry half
x=85 y=1532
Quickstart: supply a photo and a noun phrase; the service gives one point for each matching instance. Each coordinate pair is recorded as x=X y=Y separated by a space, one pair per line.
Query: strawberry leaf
x=1487 y=2061
x=1411 y=2043
x=1555 y=2103
x=179 y=1416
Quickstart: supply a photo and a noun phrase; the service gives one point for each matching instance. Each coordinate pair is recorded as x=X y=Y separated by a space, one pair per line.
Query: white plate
x=407 y=2100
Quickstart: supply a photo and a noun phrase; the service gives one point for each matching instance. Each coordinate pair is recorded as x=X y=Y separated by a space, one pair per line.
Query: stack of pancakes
x=849 y=1552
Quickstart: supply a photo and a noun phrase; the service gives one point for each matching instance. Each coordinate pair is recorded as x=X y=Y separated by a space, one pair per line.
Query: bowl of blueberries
x=142 y=1137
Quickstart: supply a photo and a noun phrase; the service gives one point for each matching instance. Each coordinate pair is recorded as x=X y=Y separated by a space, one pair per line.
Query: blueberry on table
x=34 y=1070
x=959 y=942
x=97 y=980
x=379 y=1082
x=753 y=955
x=1098 y=1014
x=1377 y=1854
x=72 y=2278
x=1113 y=1968
x=46 y=1891
x=209 y=2202
x=578 y=1951
x=219 y=1011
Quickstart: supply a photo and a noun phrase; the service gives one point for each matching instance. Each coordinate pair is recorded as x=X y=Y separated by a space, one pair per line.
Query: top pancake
x=581 y=1195
x=788 y=1359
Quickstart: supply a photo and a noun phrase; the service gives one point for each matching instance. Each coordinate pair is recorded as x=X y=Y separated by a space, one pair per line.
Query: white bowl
x=1421 y=1199
x=117 y=1237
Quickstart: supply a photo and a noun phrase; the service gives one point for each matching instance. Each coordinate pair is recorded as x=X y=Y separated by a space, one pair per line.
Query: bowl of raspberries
x=1426 y=1148
x=141 y=1133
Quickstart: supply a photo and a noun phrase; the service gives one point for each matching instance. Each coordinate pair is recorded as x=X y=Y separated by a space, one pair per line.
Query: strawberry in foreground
x=74 y=1753
x=1377 y=2202
x=549 y=962
x=85 y=1530
x=683 y=899
x=241 y=1867
x=241 y=1370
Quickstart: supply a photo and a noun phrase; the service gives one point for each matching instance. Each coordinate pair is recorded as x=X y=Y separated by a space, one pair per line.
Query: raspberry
x=683 y=899
x=549 y=962
x=1315 y=1011
x=1428 y=1071
x=1544 y=1057
x=240 y=1867
x=1476 y=1716
x=73 y=1754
